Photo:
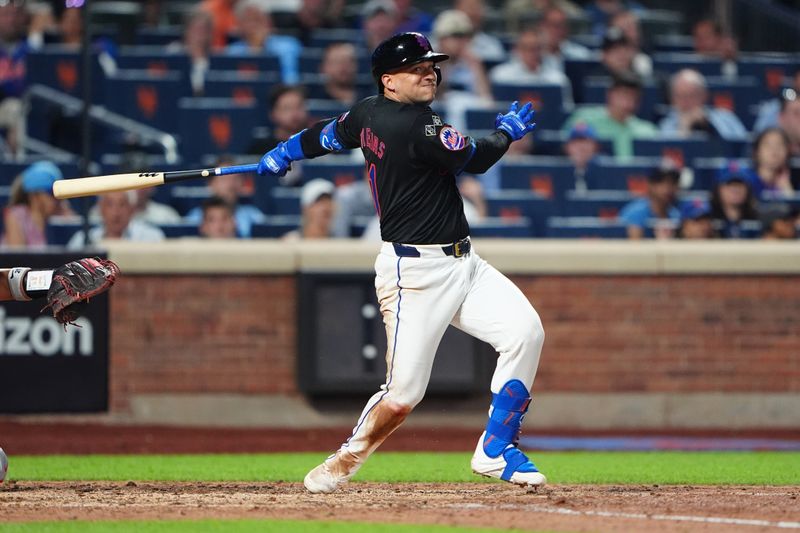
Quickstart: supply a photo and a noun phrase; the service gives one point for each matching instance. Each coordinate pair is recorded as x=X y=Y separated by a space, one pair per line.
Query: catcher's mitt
x=77 y=281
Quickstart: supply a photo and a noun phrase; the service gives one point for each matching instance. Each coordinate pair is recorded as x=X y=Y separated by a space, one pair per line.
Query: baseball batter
x=427 y=273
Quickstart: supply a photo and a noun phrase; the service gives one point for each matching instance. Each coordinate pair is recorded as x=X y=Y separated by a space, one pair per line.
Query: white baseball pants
x=419 y=298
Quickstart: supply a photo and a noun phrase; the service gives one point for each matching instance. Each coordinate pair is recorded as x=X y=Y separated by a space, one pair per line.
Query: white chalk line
x=641 y=516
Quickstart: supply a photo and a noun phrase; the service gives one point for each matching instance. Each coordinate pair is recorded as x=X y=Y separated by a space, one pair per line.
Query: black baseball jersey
x=412 y=160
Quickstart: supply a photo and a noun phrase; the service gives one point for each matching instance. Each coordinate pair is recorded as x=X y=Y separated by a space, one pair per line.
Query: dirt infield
x=557 y=508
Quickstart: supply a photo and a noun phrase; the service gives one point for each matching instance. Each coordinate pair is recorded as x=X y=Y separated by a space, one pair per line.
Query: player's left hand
x=77 y=281
x=516 y=123
x=276 y=162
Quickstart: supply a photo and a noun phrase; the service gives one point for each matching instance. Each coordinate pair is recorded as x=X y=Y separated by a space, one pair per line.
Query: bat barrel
x=73 y=188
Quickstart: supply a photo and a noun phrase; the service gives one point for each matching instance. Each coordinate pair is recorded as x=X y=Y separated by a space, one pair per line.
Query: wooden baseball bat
x=75 y=187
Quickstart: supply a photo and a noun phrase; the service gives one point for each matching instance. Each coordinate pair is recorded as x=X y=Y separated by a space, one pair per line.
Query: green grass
x=232 y=526
x=747 y=468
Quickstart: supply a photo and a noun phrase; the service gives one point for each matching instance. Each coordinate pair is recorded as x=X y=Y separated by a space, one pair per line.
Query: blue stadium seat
x=585 y=228
x=683 y=150
x=551 y=142
x=173 y=231
x=769 y=69
x=338 y=169
x=146 y=97
x=495 y=227
x=62 y=70
x=285 y=201
x=59 y=234
x=631 y=176
x=599 y=204
x=276 y=226
x=550 y=177
x=184 y=198
x=669 y=63
x=548 y=100
x=245 y=64
x=595 y=88
x=158 y=36
x=577 y=70
x=152 y=59
x=252 y=88
x=706 y=169
x=737 y=96
x=321 y=38
x=215 y=126
x=515 y=204
x=674 y=43
x=321 y=109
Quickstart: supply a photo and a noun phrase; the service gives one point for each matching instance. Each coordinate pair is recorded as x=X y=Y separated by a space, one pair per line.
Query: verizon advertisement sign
x=46 y=368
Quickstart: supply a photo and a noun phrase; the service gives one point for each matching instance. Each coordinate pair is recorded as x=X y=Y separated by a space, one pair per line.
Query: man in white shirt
x=117 y=210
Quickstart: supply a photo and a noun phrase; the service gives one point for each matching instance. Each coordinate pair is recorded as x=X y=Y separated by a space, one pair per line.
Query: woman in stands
x=31 y=205
x=733 y=201
x=771 y=162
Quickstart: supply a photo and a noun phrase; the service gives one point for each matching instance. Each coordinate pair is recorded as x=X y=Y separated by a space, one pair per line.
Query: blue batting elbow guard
x=327 y=138
x=279 y=160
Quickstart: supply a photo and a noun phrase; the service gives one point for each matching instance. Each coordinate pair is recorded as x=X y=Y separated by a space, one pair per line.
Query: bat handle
x=236 y=169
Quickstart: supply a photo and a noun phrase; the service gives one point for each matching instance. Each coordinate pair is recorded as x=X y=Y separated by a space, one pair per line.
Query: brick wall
x=236 y=334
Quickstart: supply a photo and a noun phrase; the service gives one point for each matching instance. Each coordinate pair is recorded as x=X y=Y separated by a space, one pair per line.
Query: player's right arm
x=324 y=137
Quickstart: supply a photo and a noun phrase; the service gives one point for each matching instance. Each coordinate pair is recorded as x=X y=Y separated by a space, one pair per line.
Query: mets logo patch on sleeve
x=451 y=139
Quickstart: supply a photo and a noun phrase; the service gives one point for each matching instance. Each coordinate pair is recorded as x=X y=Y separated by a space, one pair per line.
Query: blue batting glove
x=276 y=162
x=516 y=123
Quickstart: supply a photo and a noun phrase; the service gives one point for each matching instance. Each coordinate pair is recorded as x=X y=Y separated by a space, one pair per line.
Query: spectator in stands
x=484 y=46
x=655 y=215
x=789 y=119
x=13 y=53
x=31 y=205
x=733 y=203
x=463 y=71
x=310 y=16
x=712 y=42
x=339 y=69
x=196 y=43
x=581 y=148
x=770 y=110
x=71 y=37
x=218 y=219
x=410 y=18
x=628 y=23
x=117 y=210
x=522 y=13
x=257 y=37
x=152 y=212
x=557 y=47
x=379 y=22
x=526 y=67
x=223 y=13
x=353 y=201
x=230 y=188
x=771 y=163
x=689 y=113
x=616 y=58
x=287 y=114
x=600 y=13
x=778 y=221
x=696 y=221
x=616 y=120
x=316 y=202
x=465 y=84
x=41 y=21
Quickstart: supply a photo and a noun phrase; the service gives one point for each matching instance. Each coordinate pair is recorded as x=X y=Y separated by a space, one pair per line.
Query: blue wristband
x=294 y=148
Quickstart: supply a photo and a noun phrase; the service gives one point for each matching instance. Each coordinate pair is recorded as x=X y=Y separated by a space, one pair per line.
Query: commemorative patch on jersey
x=430 y=131
x=452 y=139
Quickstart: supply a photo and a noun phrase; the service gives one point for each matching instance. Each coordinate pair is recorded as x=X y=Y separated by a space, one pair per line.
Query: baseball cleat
x=511 y=465
x=334 y=472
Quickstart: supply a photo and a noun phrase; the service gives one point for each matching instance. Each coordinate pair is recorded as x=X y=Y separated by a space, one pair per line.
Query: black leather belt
x=457 y=249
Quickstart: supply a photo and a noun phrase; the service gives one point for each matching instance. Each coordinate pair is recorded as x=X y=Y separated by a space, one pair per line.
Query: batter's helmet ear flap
x=438 y=72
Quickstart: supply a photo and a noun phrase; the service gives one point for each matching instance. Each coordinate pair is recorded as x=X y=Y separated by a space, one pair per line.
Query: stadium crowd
x=641 y=134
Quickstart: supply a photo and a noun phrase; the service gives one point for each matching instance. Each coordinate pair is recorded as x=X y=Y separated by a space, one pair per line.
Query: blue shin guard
x=502 y=430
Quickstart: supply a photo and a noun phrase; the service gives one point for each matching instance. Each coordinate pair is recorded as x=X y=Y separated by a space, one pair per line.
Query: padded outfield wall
x=639 y=335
